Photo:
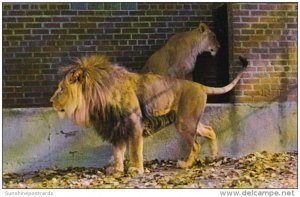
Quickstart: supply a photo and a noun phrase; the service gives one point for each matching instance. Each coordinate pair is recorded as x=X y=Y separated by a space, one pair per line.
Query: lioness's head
x=207 y=39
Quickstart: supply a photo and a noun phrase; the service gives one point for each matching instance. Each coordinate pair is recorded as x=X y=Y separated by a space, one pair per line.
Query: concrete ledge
x=36 y=138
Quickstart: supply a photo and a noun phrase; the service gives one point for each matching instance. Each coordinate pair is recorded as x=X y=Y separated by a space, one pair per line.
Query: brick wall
x=39 y=37
x=267 y=34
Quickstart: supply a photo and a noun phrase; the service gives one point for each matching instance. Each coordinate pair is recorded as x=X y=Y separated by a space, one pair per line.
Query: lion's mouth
x=58 y=109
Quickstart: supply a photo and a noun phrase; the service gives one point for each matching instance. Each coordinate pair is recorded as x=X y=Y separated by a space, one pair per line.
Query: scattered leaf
x=257 y=170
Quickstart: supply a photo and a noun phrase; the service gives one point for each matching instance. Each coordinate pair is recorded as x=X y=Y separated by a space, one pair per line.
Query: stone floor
x=257 y=170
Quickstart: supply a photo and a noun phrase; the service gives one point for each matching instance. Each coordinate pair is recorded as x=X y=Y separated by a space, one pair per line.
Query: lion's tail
x=225 y=89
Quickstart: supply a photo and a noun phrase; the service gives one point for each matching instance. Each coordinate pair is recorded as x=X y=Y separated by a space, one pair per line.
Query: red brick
x=286 y=7
x=87 y=25
x=59 y=19
x=292 y=26
x=268 y=19
x=259 y=13
x=260 y=50
x=251 y=92
x=277 y=13
x=242 y=37
x=270 y=44
x=261 y=69
x=243 y=99
x=247 y=31
x=15 y=25
x=17 y=13
x=276 y=25
x=250 y=6
x=70 y=25
x=81 y=31
x=40 y=31
x=295 y=14
x=240 y=13
x=249 y=19
x=236 y=19
x=9 y=102
x=241 y=25
x=278 y=50
x=267 y=6
x=251 y=81
x=242 y=50
x=244 y=87
x=259 y=25
x=50 y=25
x=273 y=80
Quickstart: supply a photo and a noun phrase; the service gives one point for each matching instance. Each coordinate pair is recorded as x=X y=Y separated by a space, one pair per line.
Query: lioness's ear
x=77 y=76
x=202 y=27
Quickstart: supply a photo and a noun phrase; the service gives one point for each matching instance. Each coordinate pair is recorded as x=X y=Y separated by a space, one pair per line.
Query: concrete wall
x=36 y=138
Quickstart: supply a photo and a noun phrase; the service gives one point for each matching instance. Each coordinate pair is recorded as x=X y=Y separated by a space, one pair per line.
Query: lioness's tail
x=225 y=89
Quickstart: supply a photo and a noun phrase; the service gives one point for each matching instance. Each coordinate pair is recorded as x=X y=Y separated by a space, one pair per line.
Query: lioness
x=118 y=104
x=178 y=56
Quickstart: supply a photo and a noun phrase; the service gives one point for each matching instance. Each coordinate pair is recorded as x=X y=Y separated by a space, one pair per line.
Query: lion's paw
x=112 y=171
x=135 y=171
x=182 y=164
x=214 y=156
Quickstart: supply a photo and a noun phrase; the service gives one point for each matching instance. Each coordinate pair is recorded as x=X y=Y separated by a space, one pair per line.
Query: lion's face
x=208 y=40
x=60 y=98
x=66 y=98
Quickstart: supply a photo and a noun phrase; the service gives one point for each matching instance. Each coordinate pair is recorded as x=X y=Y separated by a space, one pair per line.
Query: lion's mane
x=101 y=86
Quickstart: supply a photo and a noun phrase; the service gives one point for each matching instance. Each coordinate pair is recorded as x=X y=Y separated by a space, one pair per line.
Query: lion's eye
x=61 y=90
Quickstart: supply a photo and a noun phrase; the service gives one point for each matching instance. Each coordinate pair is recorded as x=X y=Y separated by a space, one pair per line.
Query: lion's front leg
x=119 y=153
x=135 y=147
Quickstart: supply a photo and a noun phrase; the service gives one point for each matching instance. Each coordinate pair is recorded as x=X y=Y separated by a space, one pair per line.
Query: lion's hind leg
x=194 y=147
x=193 y=153
x=208 y=132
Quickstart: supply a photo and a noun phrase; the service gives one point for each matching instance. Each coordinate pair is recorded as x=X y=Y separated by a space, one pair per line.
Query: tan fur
x=178 y=56
x=115 y=102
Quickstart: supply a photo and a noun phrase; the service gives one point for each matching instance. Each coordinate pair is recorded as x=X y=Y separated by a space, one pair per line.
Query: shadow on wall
x=248 y=127
x=36 y=138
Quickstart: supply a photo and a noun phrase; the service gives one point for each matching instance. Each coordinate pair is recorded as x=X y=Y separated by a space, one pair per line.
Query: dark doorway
x=214 y=71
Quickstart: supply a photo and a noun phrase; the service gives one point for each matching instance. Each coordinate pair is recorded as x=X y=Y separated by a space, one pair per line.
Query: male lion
x=177 y=58
x=120 y=104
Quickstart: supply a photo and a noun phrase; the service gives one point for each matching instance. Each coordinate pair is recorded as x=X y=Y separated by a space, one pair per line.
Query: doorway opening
x=214 y=71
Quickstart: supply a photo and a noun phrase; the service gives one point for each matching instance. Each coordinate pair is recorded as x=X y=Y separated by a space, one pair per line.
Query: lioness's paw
x=135 y=171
